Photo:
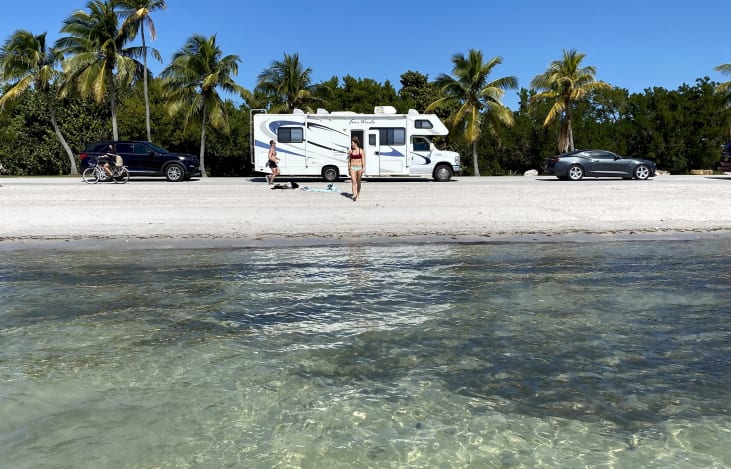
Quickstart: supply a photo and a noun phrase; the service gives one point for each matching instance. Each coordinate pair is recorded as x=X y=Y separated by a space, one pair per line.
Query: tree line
x=94 y=84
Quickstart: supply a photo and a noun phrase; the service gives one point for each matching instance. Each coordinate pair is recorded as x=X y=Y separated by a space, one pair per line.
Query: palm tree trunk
x=144 y=83
x=569 y=129
x=474 y=158
x=113 y=104
x=72 y=159
x=203 y=143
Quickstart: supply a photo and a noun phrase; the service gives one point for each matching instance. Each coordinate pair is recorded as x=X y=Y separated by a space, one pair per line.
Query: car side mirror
x=150 y=153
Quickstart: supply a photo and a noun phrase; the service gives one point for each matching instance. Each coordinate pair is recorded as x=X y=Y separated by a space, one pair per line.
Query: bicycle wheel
x=90 y=176
x=121 y=175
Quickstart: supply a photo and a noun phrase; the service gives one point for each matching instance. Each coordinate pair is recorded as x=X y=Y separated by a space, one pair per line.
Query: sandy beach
x=247 y=212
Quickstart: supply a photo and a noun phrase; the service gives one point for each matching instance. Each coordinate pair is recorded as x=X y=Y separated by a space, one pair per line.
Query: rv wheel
x=330 y=173
x=443 y=173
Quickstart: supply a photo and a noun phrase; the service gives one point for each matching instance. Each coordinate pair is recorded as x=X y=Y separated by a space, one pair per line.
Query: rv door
x=372 y=149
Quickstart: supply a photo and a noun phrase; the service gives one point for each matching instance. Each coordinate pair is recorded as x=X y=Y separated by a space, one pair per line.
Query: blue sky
x=635 y=44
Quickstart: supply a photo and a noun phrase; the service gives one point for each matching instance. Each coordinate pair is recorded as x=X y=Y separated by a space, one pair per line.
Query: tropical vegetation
x=137 y=14
x=97 y=60
x=192 y=80
x=724 y=87
x=94 y=83
x=287 y=85
x=564 y=83
x=26 y=62
x=475 y=100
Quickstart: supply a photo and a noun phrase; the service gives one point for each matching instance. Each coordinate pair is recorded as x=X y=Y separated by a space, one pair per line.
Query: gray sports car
x=575 y=165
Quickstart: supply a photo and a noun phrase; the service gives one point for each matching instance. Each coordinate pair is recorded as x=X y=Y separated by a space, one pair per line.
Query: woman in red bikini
x=356 y=166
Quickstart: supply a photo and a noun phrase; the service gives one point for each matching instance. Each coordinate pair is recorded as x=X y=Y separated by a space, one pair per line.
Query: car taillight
x=82 y=156
x=553 y=159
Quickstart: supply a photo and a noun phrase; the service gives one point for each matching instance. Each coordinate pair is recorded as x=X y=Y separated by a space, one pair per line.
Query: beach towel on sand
x=286 y=185
x=329 y=188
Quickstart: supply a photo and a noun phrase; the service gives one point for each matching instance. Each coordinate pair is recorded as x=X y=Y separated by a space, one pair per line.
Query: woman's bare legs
x=354 y=183
x=360 y=176
x=275 y=173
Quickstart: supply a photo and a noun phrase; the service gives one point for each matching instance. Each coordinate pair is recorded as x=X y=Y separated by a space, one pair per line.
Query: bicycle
x=96 y=173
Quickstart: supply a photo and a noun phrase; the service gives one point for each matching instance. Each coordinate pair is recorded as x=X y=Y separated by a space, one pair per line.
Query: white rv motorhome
x=317 y=144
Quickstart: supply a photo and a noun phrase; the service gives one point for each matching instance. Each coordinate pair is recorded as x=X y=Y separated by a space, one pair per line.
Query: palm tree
x=26 y=62
x=97 y=61
x=726 y=70
x=192 y=80
x=137 y=15
x=475 y=99
x=564 y=82
x=288 y=85
x=724 y=87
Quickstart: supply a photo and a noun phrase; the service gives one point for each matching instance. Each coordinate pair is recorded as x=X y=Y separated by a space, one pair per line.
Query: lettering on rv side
x=362 y=121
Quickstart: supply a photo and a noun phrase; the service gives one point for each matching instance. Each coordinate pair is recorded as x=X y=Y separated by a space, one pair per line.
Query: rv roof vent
x=413 y=112
x=322 y=111
x=297 y=111
x=384 y=110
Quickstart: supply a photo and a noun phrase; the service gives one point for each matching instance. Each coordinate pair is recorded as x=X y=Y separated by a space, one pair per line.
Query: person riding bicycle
x=111 y=156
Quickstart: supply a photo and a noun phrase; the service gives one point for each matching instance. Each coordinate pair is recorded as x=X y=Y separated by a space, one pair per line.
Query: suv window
x=140 y=149
x=124 y=147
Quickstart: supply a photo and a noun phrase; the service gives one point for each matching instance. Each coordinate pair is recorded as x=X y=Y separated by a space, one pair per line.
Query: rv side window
x=423 y=124
x=392 y=136
x=290 y=135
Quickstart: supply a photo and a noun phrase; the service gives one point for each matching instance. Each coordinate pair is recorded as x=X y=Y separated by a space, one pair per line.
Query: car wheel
x=174 y=173
x=442 y=173
x=330 y=173
x=575 y=173
x=642 y=172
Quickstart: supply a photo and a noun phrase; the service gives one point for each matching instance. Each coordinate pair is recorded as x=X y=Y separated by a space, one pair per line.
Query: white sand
x=243 y=211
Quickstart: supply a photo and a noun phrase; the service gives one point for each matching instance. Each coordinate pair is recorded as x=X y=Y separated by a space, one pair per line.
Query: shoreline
x=169 y=243
x=63 y=212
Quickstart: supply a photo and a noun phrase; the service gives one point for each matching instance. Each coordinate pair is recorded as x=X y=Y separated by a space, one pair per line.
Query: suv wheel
x=174 y=173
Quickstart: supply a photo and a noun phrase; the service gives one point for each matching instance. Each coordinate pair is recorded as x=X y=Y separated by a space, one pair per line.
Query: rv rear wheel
x=330 y=173
x=442 y=173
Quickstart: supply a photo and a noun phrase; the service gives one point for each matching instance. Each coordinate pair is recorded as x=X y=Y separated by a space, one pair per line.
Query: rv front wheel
x=442 y=173
x=330 y=173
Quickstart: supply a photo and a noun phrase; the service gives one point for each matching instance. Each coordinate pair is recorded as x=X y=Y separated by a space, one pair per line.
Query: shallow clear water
x=607 y=354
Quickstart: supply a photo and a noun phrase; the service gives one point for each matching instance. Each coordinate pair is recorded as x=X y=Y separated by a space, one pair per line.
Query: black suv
x=145 y=159
x=724 y=164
